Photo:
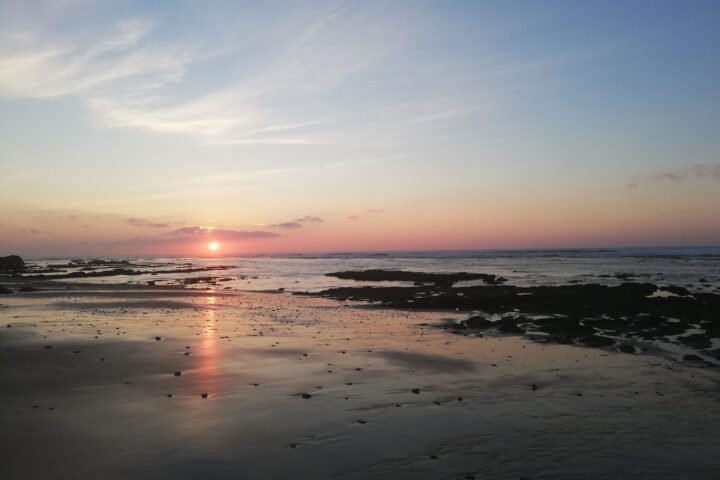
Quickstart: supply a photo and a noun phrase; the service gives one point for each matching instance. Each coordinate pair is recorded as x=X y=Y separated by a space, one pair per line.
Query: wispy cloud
x=37 y=66
x=366 y=212
x=303 y=76
x=310 y=219
x=221 y=234
x=298 y=222
x=287 y=225
x=700 y=170
x=126 y=75
x=142 y=223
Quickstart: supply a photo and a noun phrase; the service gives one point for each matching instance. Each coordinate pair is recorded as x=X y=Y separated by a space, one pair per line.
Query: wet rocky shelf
x=592 y=315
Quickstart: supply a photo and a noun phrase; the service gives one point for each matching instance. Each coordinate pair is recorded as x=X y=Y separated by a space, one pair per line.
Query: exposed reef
x=121 y=271
x=590 y=314
x=416 y=277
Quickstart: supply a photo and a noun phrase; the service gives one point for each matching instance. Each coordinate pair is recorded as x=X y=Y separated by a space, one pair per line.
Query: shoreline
x=310 y=387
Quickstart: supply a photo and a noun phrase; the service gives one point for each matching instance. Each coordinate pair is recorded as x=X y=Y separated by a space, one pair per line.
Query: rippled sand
x=105 y=400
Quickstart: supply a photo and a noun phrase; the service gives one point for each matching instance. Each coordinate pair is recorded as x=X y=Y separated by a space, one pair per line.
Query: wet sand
x=303 y=387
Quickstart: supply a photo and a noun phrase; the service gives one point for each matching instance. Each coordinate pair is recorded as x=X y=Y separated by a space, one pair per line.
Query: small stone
x=416 y=391
x=177 y=374
x=204 y=395
x=306 y=395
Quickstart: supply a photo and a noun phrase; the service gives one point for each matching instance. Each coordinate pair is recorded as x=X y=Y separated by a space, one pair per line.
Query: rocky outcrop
x=12 y=264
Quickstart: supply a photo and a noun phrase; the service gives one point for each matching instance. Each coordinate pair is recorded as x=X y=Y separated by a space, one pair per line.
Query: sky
x=155 y=127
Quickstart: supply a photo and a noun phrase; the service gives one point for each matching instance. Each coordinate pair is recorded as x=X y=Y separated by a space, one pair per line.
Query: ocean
x=696 y=268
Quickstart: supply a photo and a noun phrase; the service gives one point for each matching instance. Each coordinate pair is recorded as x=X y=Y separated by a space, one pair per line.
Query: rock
x=508 y=325
x=418 y=278
x=416 y=391
x=595 y=341
x=682 y=291
x=177 y=374
x=478 y=322
x=12 y=264
x=306 y=395
x=27 y=289
x=204 y=395
x=626 y=348
x=693 y=358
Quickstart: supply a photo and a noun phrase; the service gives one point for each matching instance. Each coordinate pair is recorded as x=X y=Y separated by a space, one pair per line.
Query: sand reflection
x=208 y=351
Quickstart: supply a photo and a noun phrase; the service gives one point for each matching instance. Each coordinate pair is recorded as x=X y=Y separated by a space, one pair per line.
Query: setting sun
x=213 y=246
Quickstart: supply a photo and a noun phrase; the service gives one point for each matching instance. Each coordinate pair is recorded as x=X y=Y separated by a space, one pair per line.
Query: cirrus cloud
x=222 y=234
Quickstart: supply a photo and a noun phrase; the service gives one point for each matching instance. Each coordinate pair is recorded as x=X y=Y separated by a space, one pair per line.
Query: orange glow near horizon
x=213 y=246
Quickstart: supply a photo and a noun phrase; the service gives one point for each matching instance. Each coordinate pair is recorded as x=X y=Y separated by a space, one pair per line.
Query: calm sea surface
x=695 y=268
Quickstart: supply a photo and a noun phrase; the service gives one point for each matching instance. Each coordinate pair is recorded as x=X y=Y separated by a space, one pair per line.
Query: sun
x=213 y=246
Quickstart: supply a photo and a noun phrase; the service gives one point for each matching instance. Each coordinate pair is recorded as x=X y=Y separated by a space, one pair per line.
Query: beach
x=136 y=381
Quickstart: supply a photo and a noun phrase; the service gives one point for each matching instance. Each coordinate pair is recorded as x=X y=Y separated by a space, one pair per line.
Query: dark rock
x=27 y=289
x=508 y=325
x=478 y=323
x=693 y=358
x=682 y=291
x=306 y=395
x=12 y=264
x=418 y=278
x=595 y=341
x=696 y=340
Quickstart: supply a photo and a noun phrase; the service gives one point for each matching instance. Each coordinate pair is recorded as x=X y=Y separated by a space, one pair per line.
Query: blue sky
x=498 y=123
